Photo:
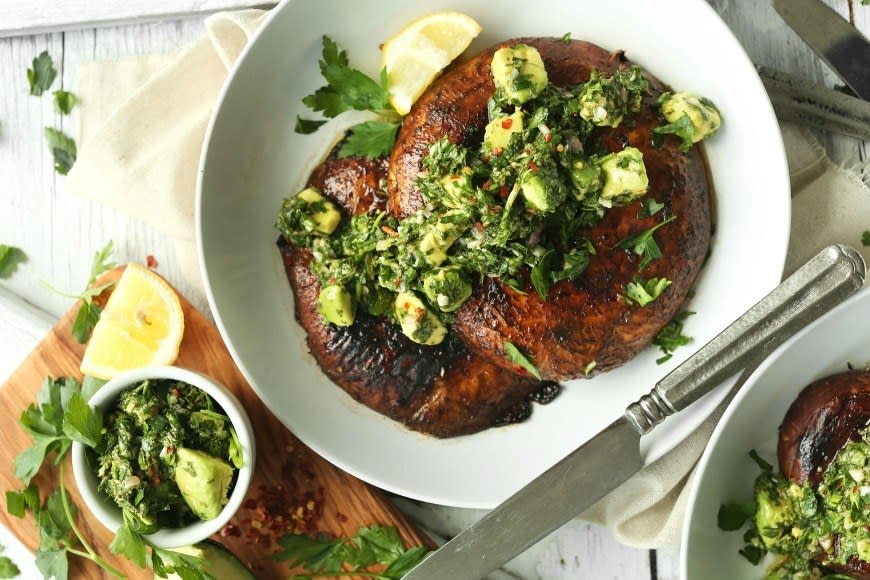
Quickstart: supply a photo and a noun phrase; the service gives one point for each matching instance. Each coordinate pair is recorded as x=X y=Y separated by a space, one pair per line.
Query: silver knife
x=835 y=41
x=613 y=455
x=800 y=101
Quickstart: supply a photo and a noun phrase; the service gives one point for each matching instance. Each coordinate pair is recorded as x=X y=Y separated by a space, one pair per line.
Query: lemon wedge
x=420 y=51
x=141 y=325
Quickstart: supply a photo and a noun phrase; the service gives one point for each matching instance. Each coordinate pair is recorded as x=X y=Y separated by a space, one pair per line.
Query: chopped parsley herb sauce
x=513 y=208
x=809 y=529
x=150 y=425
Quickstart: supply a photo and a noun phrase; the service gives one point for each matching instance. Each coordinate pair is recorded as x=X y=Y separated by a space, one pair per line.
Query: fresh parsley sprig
x=671 y=336
x=644 y=244
x=64 y=101
x=323 y=556
x=89 y=313
x=42 y=75
x=642 y=292
x=516 y=356
x=349 y=89
x=60 y=416
x=8 y=568
x=683 y=128
x=10 y=257
x=63 y=149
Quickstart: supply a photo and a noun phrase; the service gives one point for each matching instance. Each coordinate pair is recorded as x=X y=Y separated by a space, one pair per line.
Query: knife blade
x=613 y=455
x=839 y=44
x=797 y=100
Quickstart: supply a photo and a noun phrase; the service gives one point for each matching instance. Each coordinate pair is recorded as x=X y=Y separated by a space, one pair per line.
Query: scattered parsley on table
x=42 y=75
x=324 y=556
x=10 y=257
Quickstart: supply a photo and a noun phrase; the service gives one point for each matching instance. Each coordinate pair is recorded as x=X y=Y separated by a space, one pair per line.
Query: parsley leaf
x=59 y=417
x=64 y=101
x=518 y=358
x=8 y=569
x=307 y=126
x=371 y=139
x=10 y=257
x=732 y=516
x=566 y=38
x=349 y=89
x=865 y=238
x=372 y=545
x=129 y=544
x=671 y=336
x=645 y=291
x=649 y=207
x=42 y=75
x=762 y=464
x=89 y=313
x=643 y=244
x=682 y=128
x=62 y=148
x=542 y=274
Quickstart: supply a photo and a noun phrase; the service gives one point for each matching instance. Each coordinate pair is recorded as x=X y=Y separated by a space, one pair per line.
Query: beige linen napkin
x=142 y=123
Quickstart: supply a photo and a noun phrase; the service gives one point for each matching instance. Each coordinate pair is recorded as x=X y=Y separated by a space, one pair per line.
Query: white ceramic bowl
x=725 y=472
x=252 y=159
x=109 y=514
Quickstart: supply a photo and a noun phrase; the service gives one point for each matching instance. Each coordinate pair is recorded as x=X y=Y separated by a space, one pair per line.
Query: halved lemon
x=141 y=325
x=421 y=50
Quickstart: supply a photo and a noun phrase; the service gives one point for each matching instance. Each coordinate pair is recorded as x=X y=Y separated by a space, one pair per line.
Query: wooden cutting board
x=288 y=477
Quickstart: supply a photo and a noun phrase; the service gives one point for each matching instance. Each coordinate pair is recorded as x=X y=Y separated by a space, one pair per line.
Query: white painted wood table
x=60 y=232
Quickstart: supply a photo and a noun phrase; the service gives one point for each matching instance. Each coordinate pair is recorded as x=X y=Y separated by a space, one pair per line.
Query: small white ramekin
x=109 y=514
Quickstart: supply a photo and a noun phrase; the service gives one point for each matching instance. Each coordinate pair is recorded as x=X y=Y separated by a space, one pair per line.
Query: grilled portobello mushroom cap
x=826 y=415
x=586 y=320
x=444 y=390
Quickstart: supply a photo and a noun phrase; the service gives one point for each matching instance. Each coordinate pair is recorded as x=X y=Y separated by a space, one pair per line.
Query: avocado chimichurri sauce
x=518 y=200
x=169 y=455
x=807 y=529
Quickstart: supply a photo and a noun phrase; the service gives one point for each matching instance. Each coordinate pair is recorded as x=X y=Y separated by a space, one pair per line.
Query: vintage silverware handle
x=819 y=285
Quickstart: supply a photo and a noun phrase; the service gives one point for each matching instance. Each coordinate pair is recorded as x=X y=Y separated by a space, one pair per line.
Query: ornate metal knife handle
x=819 y=285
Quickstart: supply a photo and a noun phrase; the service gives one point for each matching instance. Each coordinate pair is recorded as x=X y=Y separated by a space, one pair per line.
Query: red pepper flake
x=278 y=510
x=341 y=517
x=486 y=185
x=533 y=166
x=503 y=191
x=479 y=227
x=506 y=124
x=229 y=530
x=548 y=137
x=497 y=151
x=151 y=261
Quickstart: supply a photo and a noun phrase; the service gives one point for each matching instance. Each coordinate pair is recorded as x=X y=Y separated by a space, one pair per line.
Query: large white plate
x=726 y=472
x=252 y=159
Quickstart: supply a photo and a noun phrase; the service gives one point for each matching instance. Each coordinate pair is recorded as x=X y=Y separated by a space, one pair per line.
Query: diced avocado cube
x=703 y=114
x=542 y=189
x=204 y=482
x=625 y=176
x=518 y=72
x=446 y=288
x=322 y=211
x=336 y=305
x=498 y=131
x=438 y=236
x=457 y=189
x=417 y=321
x=586 y=178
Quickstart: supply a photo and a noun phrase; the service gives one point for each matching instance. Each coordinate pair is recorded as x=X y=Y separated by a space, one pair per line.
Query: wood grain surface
x=285 y=468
